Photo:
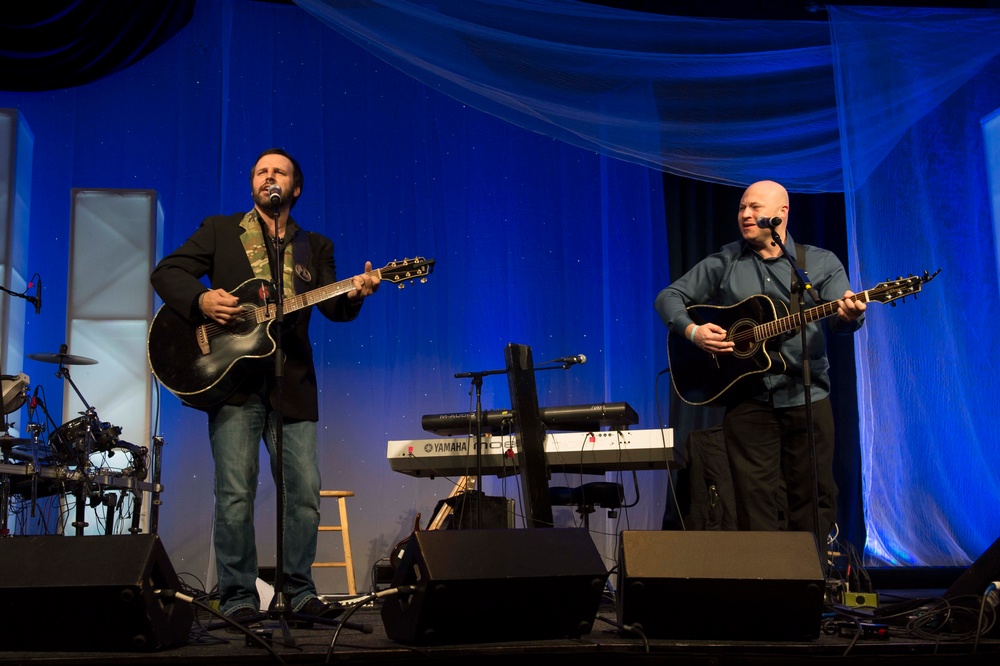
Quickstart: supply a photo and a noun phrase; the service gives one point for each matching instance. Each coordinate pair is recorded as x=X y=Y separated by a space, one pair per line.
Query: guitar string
x=214 y=328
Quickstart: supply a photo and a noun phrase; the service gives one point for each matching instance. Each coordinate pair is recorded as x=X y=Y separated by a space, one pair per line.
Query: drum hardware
x=15 y=391
x=84 y=436
x=61 y=465
x=8 y=443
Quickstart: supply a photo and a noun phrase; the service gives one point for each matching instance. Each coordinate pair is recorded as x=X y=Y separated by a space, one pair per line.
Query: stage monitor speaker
x=495 y=585
x=89 y=593
x=979 y=575
x=720 y=585
x=974 y=581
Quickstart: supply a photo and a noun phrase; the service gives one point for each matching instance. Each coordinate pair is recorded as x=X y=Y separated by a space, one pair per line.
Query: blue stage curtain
x=915 y=86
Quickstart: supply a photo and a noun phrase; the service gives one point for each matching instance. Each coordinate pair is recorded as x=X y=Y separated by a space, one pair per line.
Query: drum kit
x=39 y=466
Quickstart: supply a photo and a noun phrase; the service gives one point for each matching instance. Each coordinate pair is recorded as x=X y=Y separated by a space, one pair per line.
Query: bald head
x=765 y=198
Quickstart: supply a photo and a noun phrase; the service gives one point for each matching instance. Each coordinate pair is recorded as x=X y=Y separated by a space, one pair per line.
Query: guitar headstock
x=407 y=270
x=900 y=288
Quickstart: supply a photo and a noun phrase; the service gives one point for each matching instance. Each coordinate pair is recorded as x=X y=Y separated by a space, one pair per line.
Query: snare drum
x=84 y=435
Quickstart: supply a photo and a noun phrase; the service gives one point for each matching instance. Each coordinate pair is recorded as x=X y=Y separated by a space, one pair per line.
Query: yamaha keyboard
x=580 y=418
x=570 y=452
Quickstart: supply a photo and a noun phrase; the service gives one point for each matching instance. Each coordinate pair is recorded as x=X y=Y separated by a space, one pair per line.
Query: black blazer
x=216 y=251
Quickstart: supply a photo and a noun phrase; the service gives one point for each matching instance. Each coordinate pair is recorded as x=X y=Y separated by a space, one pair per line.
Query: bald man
x=766 y=421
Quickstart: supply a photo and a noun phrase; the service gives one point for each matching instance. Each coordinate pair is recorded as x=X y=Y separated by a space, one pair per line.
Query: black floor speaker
x=89 y=593
x=495 y=585
x=720 y=585
x=979 y=575
x=974 y=582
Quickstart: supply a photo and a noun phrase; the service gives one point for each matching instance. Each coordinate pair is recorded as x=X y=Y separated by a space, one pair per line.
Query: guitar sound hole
x=246 y=323
x=741 y=333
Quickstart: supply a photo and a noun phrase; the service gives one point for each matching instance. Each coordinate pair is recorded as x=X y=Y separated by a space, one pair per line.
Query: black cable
x=173 y=594
x=402 y=589
x=628 y=628
x=659 y=421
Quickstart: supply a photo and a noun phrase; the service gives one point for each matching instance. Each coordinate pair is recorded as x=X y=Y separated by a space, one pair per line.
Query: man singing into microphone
x=231 y=250
x=765 y=422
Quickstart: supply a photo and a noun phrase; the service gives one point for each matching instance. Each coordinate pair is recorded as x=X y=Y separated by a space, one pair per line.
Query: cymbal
x=62 y=359
x=6 y=441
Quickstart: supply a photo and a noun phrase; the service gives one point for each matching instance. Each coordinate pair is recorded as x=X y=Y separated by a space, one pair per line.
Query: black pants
x=767 y=445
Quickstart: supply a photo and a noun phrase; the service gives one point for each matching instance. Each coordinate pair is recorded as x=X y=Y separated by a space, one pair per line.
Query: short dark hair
x=297 y=177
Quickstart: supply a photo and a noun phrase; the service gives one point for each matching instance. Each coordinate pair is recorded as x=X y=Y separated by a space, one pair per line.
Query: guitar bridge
x=201 y=336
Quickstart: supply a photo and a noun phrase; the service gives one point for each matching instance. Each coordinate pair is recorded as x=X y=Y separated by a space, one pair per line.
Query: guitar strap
x=800 y=253
x=304 y=281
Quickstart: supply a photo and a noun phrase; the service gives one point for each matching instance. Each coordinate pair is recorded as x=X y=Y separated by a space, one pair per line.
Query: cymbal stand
x=83 y=455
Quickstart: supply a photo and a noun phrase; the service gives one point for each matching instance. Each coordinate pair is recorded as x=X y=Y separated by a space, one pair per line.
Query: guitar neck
x=791 y=322
x=326 y=292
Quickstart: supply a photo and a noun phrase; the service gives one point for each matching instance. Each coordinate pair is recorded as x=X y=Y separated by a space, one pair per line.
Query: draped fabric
x=522 y=145
x=60 y=44
x=915 y=90
x=715 y=100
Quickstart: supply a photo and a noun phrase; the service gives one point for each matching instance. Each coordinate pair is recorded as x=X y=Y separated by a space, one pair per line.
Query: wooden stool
x=348 y=563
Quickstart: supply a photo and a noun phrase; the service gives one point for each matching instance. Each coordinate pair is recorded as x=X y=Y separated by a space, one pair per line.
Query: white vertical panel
x=109 y=309
x=16 y=155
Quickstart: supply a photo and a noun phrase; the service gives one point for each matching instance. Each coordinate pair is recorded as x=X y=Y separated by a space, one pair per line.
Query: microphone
x=274 y=191
x=572 y=360
x=37 y=300
x=768 y=222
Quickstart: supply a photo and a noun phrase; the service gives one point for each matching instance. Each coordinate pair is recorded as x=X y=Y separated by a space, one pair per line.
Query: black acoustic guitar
x=203 y=363
x=701 y=378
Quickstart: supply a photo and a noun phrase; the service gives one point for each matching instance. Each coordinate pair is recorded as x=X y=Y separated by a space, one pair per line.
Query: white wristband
x=691 y=336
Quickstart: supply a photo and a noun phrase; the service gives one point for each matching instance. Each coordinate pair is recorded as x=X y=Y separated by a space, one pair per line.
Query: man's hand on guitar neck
x=365 y=284
x=709 y=337
x=219 y=305
x=849 y=308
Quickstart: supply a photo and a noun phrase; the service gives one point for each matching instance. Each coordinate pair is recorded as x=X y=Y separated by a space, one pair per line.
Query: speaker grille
x=496 y=585
x=721 y=585
x=89 y=593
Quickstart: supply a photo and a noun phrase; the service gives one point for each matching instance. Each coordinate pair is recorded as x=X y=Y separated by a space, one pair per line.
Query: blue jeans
x=235 y=433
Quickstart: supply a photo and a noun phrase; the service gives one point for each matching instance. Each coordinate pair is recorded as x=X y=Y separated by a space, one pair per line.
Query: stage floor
x=362 y=640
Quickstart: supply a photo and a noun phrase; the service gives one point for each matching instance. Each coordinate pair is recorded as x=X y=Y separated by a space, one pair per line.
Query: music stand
x=530 y=435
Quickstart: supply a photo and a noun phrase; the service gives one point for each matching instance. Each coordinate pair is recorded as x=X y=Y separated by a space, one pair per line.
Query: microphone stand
x=801 y=286
x=477 y=382
x=279 y=605
x=34 y=301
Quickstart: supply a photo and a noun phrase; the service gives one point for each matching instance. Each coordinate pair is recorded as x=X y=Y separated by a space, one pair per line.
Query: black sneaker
x=316 y=609
x=247 y=618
